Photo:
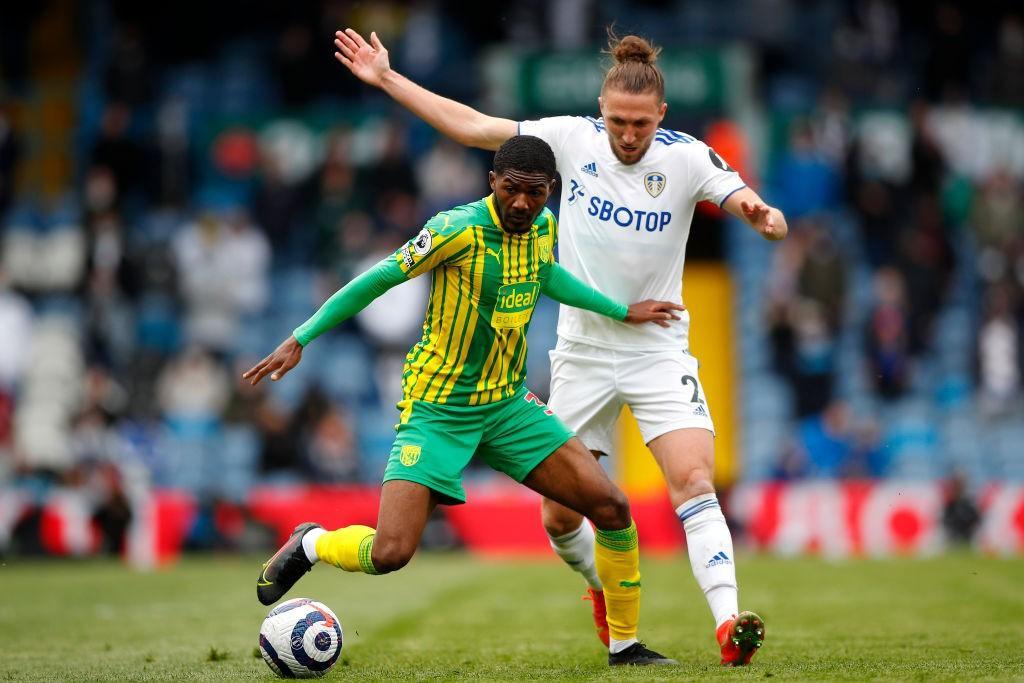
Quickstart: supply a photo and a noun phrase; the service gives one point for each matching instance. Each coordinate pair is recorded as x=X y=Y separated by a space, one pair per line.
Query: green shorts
x=435 y=442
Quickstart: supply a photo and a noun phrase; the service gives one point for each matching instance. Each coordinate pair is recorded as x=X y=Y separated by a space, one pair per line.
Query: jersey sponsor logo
x=544 y=248
x=576 y=190
x=410 y=455
x=654 y=183
x=407 y=256
x=590 y=169
x=421 y=245
x=719 y=162
x=625 y=217
x=495 y=254
x=514 y=305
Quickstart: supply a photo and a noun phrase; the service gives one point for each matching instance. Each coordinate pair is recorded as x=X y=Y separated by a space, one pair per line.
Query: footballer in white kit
x=624 y=230
x=628 y=194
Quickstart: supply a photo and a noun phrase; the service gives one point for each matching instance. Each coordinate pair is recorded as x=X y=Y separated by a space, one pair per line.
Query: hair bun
x=634 y=49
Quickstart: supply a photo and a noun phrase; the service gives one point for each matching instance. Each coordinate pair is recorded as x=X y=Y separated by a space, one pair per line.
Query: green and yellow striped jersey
x=484 y=286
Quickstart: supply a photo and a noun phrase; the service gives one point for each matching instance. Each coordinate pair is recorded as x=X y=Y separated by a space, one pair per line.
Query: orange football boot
x=740 y=638
x=600 y=613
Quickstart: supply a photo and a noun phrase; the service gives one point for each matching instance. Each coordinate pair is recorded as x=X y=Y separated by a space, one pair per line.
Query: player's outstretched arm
x=565 y=288
x=285 y=357
x=343 y=304
x=745 y=204
x=369 y=62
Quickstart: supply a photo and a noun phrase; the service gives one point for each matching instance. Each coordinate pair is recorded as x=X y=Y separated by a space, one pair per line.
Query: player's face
x=519 y=197
x=631 y=120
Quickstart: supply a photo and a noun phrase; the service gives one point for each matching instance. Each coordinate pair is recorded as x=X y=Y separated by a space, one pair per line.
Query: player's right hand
x=651 y=311
x=285 y=357
x=368 y=61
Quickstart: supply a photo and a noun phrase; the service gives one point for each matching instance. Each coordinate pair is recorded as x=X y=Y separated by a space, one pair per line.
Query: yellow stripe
x=444 y=347
x=472 y=299
x=482 y=382
x=430 y=365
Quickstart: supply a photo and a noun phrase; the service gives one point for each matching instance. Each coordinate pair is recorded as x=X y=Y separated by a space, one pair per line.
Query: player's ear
x=600 y=105
x=492 y=179
x=661 y=110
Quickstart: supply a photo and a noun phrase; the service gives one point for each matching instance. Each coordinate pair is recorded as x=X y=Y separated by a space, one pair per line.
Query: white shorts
x=590 y=384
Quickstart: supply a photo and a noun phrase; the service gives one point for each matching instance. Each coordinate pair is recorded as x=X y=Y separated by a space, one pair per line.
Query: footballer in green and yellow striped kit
x=485 y=284
x=462 y=384
x=463 y=387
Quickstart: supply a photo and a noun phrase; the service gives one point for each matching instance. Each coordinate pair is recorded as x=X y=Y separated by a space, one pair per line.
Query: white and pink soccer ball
x=301 y=638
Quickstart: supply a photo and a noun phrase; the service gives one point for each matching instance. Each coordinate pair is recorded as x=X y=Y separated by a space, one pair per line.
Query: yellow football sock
x=617 y=556
x=348 y=548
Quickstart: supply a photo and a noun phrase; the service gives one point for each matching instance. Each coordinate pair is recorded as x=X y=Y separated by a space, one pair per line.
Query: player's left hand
x=651 y=311
x=766 y=220
x=285 y=357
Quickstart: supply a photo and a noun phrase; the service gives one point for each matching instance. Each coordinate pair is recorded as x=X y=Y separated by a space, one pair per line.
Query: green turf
x=451 y=617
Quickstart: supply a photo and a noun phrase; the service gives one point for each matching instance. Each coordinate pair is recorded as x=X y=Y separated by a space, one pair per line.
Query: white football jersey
x=623 y=229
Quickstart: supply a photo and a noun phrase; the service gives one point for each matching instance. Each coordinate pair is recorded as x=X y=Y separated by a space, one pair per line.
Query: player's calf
x=390 y=554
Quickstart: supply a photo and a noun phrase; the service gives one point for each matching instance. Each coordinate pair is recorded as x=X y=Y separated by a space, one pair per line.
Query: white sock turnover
x=309 y=543
x=617 y=646
x=576 y=548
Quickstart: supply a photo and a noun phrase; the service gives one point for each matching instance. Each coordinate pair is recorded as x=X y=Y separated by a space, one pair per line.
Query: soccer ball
x=301 y=638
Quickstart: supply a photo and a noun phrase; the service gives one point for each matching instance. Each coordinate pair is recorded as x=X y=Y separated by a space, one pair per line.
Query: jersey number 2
x=690 y=379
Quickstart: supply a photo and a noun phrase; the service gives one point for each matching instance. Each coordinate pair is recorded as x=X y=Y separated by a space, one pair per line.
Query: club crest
x=410 y=455
x=544 y=247
x=654 y=183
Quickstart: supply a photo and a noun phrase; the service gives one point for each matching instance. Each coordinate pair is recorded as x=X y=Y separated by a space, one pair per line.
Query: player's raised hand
x=285 y=357
x=368 y=61
x=651 y=311
x=766 y=220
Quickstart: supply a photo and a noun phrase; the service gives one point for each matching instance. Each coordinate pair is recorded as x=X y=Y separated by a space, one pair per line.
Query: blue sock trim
x=697 y=508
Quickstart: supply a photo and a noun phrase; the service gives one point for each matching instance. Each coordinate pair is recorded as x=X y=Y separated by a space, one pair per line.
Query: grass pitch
x=451 y=617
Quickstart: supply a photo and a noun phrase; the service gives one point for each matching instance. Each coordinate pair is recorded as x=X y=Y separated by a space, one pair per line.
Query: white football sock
x=709 y=544
x=617 y=646
x=309 y=543
x=577 y=549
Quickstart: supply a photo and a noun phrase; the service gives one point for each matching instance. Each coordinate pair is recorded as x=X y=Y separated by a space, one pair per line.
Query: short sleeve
x=554 y=130
x=715 y=179
x=435 y=245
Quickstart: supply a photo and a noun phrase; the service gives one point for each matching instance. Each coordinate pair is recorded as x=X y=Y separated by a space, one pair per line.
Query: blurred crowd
x=228 y=176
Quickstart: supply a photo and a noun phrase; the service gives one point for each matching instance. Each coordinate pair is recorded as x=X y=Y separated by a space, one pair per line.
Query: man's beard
x=618 y=153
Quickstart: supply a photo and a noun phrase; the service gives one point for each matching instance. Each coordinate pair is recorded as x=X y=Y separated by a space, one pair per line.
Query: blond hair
x=635 y=69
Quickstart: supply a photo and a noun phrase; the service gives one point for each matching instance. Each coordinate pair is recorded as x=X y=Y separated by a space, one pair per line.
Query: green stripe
x=365 y=552
x=466 y=326
x=444 y=354
x=426 y=258
x=621 y=540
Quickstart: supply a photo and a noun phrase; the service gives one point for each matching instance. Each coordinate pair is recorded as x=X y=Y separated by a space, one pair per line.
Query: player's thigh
x=583 y=393
x=664 y=393
x=573 y=478
x=519 y=433
x=432 y=447
x=687 y=460
x=559 y=520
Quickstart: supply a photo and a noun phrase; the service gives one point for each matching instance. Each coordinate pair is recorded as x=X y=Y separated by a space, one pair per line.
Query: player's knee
x=390 y=556
x=558 y=520
x=697 y=483
x=613 y=512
